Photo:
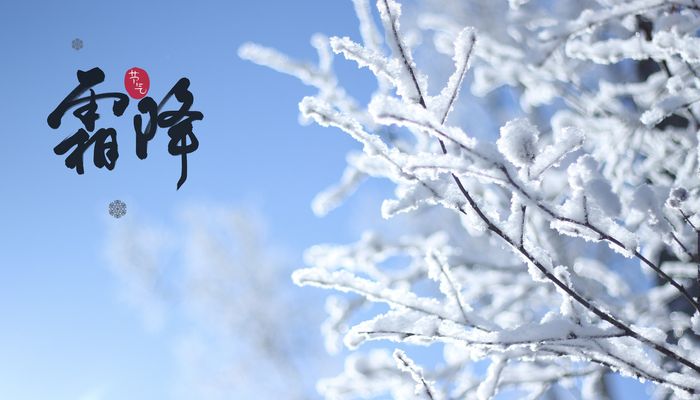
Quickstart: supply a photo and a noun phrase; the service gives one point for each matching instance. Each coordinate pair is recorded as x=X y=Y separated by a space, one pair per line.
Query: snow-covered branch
x=562 y=248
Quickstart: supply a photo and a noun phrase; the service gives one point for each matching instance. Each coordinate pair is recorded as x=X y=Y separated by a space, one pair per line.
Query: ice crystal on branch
x=561 y=249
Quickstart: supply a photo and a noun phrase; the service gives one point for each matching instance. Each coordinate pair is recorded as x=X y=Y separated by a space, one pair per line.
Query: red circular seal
x=136 y=82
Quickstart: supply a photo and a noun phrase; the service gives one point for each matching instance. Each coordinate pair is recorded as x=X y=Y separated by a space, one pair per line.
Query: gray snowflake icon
x=117 y=209
x=77 y=44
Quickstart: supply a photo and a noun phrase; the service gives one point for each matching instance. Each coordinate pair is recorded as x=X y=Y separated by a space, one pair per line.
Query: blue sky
x=66 y=334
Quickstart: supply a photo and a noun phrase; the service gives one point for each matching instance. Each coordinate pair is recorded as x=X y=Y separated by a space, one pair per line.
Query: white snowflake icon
x=117 y=209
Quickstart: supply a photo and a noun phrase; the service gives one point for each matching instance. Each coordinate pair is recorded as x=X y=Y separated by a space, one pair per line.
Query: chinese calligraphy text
x=178 y=121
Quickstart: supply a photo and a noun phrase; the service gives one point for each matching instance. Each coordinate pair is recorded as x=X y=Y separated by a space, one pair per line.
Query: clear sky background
x=65 y=333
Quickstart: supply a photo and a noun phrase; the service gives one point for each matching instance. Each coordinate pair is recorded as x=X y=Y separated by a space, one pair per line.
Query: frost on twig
x=559 y=250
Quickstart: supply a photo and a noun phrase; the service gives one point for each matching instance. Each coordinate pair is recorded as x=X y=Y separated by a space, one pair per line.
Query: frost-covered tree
x=224 y=305
x=561 y=251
